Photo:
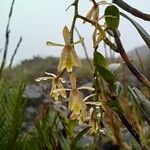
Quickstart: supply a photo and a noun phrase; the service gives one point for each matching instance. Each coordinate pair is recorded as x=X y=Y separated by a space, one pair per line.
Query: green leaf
x=142 y=101
x=71 y=125
x=140 y=29
x=112 y=17
x=99 y=59
x=105 y=74
x=63 y=142
x=78 y=137
x=115 y=106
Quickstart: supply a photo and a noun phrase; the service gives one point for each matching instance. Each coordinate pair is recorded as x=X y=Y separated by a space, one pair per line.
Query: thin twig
x=6 y=39
x=132 y=130
x=132 y=10
x=15 y=52
x=94 y=2
x=131 y=67
x=75 y=4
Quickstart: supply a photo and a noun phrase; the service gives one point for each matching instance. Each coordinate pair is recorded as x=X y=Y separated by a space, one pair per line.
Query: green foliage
x=101 y=66
x=100 y=59
x=11 y=114
x=112 y=17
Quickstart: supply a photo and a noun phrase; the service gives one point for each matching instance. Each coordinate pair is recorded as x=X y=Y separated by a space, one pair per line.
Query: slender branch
x=132 y=10
x=87 y=20
x=6 y=39
x=75 y=4
x=131 y=67
x=132 y=131
x=110 y=44
x=94 y=2
x=15 y=52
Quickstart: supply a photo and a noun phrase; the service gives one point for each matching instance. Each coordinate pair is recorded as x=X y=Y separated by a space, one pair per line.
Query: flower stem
x=75 y=4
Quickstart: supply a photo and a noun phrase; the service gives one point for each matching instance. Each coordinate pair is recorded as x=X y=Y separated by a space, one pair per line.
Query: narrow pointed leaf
x=78 y=137
x=105 y=74
x=100 y=59
x=145 y=36
x=114 y=16
x=143 y=101
x=63 y=142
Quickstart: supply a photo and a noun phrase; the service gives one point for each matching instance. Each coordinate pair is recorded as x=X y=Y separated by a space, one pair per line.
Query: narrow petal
x=89 y=96
x=62 y=92
x=63 y=89
x=43 y=78
x=77 y=42
x=94 y=103
x=48 y=43
x=50 y=74
x=94 y=37
x=62 y=61
x=73 y=81
x=86 y=88
x=66 y=35
x=75 y=58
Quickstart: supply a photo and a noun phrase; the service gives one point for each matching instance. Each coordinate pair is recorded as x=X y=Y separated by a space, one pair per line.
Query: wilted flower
x=93 y=14
x=69 y=58
x=57 y=86
x=99 y=33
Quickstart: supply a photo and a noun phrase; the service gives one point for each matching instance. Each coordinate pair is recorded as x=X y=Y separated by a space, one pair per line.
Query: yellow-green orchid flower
x=69 y=58
x=56 y=85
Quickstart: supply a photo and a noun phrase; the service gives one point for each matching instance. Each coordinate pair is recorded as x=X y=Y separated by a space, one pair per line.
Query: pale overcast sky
x=40 y=20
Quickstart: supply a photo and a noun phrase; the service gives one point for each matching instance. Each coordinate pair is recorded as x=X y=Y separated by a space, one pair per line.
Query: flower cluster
x=57 y=86
x=68 y=60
